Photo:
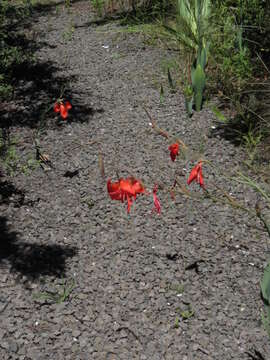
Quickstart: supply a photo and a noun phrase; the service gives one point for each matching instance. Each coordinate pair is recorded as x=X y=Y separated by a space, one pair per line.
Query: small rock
x=76 y=333
x=13 y=347
x=5 y=345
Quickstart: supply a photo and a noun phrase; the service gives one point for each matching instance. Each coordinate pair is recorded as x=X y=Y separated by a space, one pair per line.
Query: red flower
x=157 y=206
x=62 y=108
x=125 y=189
x=114 y=190
x=197 y=175
x=174 y=149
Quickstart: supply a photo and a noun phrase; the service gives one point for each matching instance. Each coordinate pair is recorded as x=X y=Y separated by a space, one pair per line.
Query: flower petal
x=125 y=190
x=193 y=175
x=196 y=174
x=200 y=178
x=174 y=151
x=56 y=107
x=114 y=190
x=68 y=105
x=63 y=111
x=157 y=206
x=129 y=201
x=127 y=187
x=138 y=187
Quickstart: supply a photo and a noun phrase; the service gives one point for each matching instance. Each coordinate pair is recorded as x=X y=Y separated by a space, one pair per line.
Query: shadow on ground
x=37 y=85
x=131 y=14
x=31 y=260
x=234 y=129
x=255 y=355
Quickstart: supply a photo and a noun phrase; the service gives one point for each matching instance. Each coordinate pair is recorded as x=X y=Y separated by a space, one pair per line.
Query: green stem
x=265 y=223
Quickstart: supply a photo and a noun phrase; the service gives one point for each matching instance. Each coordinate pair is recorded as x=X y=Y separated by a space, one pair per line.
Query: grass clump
x=12 y=50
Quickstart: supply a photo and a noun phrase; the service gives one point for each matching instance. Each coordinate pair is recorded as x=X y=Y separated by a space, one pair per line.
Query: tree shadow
x=8 y=191
x=28 y=11
x=31 y=260
x=255 y=354
x=37 y=88
x=251 y=115
x=37 y=84
x=234 y=129
x=40 y=9
x=132 y=14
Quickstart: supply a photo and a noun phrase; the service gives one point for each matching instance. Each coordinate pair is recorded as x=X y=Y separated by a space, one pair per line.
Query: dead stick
x=161 y=131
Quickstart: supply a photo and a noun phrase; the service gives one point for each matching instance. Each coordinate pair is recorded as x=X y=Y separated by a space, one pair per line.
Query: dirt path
x=133 y=279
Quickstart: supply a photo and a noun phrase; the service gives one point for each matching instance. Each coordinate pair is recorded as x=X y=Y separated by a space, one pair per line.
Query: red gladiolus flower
x=62 y=108
x=197 y=175
x=114 y=190
x=174 y=149
x=125 y=189
x=157 y=206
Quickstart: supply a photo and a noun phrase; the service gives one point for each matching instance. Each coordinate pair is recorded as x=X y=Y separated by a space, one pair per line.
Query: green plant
x=176 y=323
x=243 y=179
x=187 y=313
x=251 y=142
x=192 y=24
x=5 y=88
x=142 y=11
x=234 y=44
x=178 y=288
x=161 y=94
x=12 y=53
x=58 y=296
x=67 y=34
x=189 y=99
x=8 y=155
x=198 y=83
x=88 y=201
x=98 y=5
x=238 y=65
x=30 y=165
x=220 y=116
x=117 y=56
x=11 y=160
x=192 y=31
x=265 y=292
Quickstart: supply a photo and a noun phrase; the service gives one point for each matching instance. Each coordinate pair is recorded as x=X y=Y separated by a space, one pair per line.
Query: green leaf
x=198 y=82
x=189 y=106
x=221 y=117
x=193 y=22
x=199 y=78
x=202 y=58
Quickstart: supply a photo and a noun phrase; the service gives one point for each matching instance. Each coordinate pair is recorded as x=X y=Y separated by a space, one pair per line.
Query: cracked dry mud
x=132 y=278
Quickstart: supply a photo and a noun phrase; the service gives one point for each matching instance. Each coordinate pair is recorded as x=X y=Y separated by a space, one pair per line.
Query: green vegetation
x=186 y=313
x=98 y=5
x=60 y=294
x=191 y=31
x=11 y=52
x=265 y=291
x=10 y=160
x=68 y=33
x=178 y=288
x=239 y=62
x=8 y=154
